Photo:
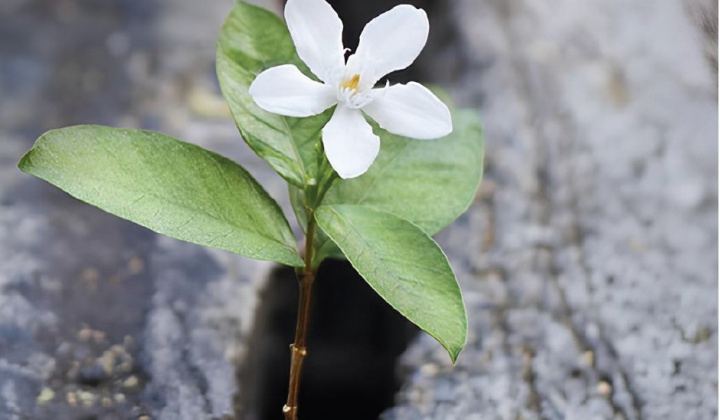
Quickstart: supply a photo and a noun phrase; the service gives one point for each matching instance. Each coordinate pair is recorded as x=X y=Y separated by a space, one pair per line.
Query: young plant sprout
x=362 y=190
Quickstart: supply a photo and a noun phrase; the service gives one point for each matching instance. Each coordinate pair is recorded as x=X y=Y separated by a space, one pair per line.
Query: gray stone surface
x=588 y=260
x=100 y=318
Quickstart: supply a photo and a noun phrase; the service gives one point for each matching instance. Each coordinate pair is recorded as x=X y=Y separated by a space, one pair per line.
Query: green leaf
x=404 y=266
x=428 y=182
x=253 y=40
x=172 y=187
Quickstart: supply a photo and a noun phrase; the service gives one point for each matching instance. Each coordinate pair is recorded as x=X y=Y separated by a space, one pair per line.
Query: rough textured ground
x=590 y=257
x=589 y=260
x=100 y=319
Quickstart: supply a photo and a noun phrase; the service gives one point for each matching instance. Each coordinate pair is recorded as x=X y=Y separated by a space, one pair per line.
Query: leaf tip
x=454 y=353
x=24 y=163
x=454 y=349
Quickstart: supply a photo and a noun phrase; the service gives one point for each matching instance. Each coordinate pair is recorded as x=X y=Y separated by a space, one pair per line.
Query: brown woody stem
x=298 y=348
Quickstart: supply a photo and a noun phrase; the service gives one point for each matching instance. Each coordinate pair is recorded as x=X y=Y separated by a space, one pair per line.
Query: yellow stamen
x=351 y=83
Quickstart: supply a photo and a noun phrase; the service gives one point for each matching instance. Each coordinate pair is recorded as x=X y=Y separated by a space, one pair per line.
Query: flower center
x=352 y=83
x=352 y=94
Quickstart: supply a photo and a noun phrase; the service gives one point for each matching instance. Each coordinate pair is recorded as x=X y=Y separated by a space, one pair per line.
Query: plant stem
x=298 y=349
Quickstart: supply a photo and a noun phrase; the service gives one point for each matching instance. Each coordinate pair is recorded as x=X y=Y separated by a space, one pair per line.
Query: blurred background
x=588 y=260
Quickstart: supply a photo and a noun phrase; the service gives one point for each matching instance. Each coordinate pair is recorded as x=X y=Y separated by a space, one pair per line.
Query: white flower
x=390 y=42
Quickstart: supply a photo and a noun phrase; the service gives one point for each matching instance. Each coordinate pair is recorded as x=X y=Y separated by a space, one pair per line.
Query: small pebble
x=46 y=395
x=87 y=398
x=130 y=382
x=85 y=334
x=108 y=362
x=71 y=399
x=604 y=388
x=118 y=350
x=429 y=369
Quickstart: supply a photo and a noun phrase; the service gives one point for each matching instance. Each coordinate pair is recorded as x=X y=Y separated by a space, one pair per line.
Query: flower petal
x=316 y=31
x=350 y=144
x=285 y=90
x=392 y=41
x=410 y=110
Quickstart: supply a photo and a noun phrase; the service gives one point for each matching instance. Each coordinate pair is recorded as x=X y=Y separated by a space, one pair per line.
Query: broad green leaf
x=172 y=187
x=428 y=182
x=253 y=40
x=404 y=266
